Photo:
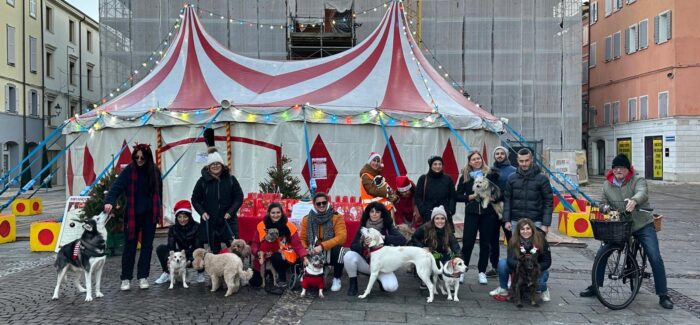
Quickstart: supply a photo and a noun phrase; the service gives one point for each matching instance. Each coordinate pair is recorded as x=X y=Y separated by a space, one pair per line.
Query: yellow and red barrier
x=8 y=228
x=575 y=224
x=27 y=207
x=579 y=205
x=43 y=235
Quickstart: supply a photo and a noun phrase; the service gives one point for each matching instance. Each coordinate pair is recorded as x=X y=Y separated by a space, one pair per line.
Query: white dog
x=177 y=264
x=386 y=259
x=450 y=277
x=486 y=191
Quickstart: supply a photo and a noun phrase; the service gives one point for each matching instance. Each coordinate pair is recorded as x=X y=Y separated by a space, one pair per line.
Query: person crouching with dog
x=526 y=239
x=323 y=231
x=437 y=238
x=141 y=183
x=406 y=209
x=378 y=217
x=290 y=248
x=183 y=235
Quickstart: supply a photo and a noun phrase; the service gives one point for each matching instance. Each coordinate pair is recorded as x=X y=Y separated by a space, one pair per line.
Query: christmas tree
x=96 y=203
x=280 y=180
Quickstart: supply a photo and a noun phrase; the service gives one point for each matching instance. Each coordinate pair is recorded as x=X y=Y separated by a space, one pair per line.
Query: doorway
x=654 y=157
x=600 y=146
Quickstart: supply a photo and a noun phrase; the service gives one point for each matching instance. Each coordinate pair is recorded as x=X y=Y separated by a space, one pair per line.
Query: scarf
x=378 y=225
x=322 y=219
x=476 y=173
x=130 y=216
x=433 y=174
x=280 y=225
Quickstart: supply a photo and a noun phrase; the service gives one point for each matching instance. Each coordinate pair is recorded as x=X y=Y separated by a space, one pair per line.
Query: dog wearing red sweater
x=269 y=246
x=313 y=276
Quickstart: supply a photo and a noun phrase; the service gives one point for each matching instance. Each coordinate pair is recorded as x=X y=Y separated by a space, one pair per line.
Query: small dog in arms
x=485 y=191
x=86 y=255
x=313 y=275
x=449 y=278
x=177 y=264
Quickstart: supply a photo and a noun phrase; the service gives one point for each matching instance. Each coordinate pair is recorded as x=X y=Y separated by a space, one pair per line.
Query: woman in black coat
x=183 y=235
x=435 y=189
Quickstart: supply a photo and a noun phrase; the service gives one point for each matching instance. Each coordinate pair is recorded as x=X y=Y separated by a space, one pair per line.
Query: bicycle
x=623 y=262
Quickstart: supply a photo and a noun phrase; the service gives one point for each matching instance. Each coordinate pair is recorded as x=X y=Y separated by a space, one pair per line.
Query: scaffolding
x=518 y=59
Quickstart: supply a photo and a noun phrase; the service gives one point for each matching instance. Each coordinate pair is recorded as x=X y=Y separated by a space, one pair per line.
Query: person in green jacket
x=624 y=190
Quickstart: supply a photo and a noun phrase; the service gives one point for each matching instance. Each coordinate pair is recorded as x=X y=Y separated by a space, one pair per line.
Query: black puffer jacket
x=466 y=189
x=420 y=239
x=184 y=237
x=528 y=194
x=440 y=190
x=217 y=197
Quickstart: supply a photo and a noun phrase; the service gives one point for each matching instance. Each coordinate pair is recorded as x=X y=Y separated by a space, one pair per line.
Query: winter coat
x=368 y=185
x=143 y=202
x=439 y=190
x=505 y=169
x=217 y=197
x=184 y=237
x=633 y=187
x=544 y=255
x=474 y=206
x=392 y=237
x=341 y=233
x=420 y=236
x=528 y=194
x=294 y=242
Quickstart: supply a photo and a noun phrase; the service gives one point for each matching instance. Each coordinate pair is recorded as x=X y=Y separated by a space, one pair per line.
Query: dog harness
x=76 y=251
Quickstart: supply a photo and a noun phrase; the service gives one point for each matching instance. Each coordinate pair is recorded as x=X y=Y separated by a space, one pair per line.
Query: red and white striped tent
x=343 y=96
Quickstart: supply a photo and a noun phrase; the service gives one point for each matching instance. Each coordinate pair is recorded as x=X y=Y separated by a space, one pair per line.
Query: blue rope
x=14 y=179
x=34 y=151
x=312 y=182
x=466 y=146
x=388 y=143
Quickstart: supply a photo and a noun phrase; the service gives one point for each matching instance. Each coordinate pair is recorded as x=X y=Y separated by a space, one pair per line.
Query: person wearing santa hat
x=369 y=190
x=406 y=209
x=183 y=235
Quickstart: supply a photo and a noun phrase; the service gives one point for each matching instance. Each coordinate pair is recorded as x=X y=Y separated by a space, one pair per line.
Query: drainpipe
x=24 y=80
x=80 y=63
x=43 y=75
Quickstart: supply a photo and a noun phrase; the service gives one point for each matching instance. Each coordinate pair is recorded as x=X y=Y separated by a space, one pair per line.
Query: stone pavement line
x=289 y=309
x=679 y=300
x=22 y=266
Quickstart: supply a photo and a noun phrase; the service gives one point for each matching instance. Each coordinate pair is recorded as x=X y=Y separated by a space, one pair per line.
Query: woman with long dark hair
x=141 y=182
x=437 y=238
x=435 y=189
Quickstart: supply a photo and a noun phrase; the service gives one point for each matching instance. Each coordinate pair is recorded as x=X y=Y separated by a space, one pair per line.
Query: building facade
x=21 y=79
x=643 y=74
x=71 y=53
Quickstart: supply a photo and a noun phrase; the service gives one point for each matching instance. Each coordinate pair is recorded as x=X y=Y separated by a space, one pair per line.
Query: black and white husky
x=86 y=254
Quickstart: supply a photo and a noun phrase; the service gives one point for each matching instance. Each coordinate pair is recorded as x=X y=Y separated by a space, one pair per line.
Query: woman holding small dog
x=437 y=238
x=476 y=217
x=370 y=189
x=378 y=217
x=290 y=248
x=323 y=231
x=526 y=239
x=183 y=235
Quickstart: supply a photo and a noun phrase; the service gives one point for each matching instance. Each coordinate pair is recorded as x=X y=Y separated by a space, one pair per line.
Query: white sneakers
x=545 y=295
x=499 y=291
x=336 y=285
x=199 y=278
x=482 y=278
x=126 y=285
x=165 y=277
x=143 y=283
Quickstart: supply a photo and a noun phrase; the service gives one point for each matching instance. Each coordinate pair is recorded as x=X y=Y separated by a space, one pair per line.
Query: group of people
x=427 y=207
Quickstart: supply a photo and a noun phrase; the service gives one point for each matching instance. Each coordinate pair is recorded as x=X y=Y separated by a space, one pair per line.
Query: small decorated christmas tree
x=96 y=203
x=280 y=180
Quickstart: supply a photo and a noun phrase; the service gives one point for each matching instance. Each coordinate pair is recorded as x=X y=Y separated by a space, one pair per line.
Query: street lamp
x=56 y=109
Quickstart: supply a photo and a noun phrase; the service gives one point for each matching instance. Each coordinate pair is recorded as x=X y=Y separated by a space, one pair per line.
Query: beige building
x=21 y=78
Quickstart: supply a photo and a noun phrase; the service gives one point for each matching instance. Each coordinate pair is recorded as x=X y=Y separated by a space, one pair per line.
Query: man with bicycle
x=625 y=191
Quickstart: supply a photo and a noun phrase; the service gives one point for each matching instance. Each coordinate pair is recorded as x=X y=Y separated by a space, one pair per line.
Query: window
x=32 y=54
x=663 y=104
x=643 y=32
x=662 y=27
x=71 y=31
x=89 y=41
x=584 y=35
x=32 y=8
x=10 y=98
x=632 y=109
x=608 y=7
x=630 y=1
x=10 y=2
x=617 y=4
x=608 y=49
x=592 y=54
x=49 y=107
x=49 y=64
x=643 y=105
x=89 y=76
x=631 y=42
x=71 y=71
x=591 y=116
x=594 y=13
x=10 y=45
x=616 y=112
x=584 y=70
x=584 y=111
x=49 y=19
x=617 y=45
x=32 y=104
x=606 y=114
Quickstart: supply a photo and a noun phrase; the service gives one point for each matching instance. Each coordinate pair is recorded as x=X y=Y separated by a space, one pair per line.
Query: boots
x=352 y=286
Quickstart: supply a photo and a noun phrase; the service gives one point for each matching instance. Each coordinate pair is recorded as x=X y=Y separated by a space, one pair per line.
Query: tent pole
x=466 y=146
x=229 y=152
x=388 y=143
x=312 y=183
x=159 y=144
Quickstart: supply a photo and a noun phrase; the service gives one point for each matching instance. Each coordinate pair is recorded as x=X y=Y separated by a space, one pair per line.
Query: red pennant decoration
x=449 y=162
x=88 y=167
x=485 y=155
x=124 y=157
x=389 y=172
x=322 y=166
x=69 y=174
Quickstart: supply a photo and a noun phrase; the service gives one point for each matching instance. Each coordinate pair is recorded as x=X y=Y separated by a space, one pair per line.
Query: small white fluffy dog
x=485 y=191
x=387 y=259
x=177 y=264
x=228 y=265
x=450 y=277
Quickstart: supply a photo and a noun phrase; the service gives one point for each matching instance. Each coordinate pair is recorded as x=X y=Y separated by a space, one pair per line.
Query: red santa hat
x=183 y=206
x=403 y=184
x=373 y=155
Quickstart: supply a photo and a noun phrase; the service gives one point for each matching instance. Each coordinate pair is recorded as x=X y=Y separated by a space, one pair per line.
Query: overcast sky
x=89 y=7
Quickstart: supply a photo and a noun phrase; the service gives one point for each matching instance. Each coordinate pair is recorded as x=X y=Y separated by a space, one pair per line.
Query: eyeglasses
x=619 y=168
x=140 y=158
x=321 y=203
x=216 y=164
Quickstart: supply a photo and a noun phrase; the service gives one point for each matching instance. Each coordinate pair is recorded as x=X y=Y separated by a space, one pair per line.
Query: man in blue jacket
x=502 y=164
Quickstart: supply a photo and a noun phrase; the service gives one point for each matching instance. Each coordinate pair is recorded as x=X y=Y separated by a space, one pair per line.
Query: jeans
x=647 y=238
x=495 y=241
x=504 y=272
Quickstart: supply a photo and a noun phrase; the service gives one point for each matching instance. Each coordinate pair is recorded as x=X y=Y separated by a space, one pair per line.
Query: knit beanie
x=214 y=157
x=621 y=161
x=438 y=211
x=500 y=148
x=433 y=159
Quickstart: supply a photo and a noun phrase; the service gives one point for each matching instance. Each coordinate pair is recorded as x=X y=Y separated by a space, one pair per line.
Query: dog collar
x=76 y=251
x=453 y=275
x=375 y=248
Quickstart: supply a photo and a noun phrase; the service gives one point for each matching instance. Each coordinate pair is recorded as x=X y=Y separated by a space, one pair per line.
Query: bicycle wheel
x=621 y=278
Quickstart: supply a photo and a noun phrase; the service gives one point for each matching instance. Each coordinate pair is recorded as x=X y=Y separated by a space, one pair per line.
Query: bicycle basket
x=611 y=231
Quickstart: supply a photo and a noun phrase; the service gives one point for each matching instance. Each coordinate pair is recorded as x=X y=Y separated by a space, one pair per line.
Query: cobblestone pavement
x=27 y=280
